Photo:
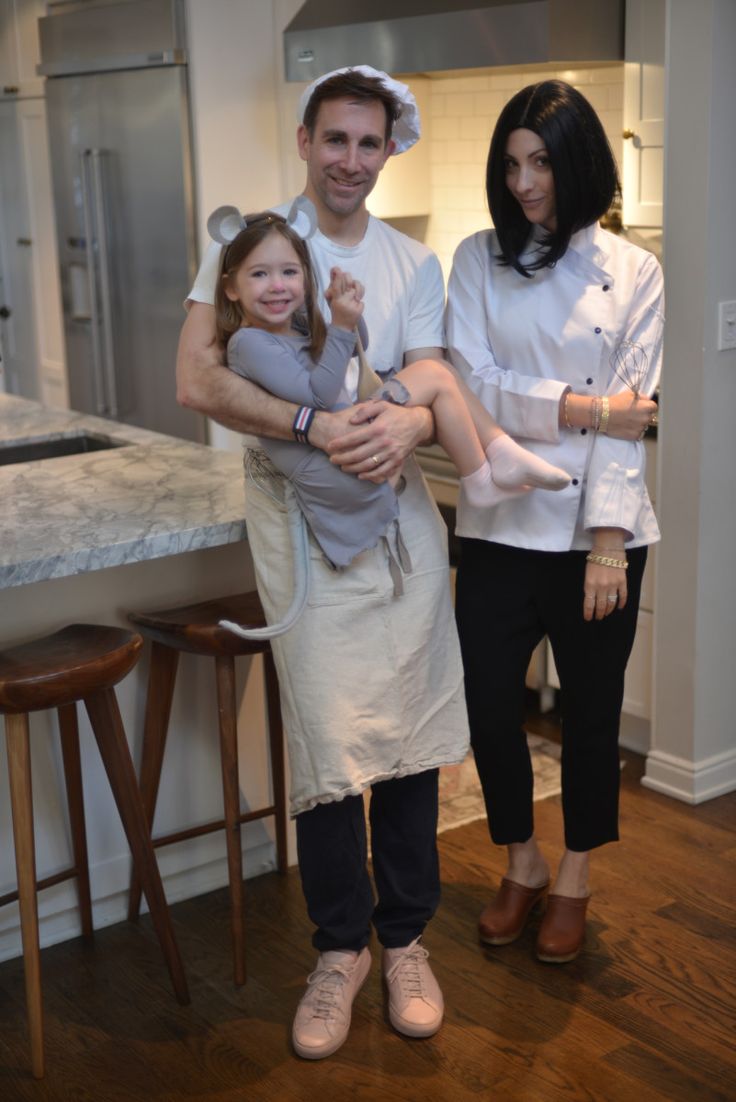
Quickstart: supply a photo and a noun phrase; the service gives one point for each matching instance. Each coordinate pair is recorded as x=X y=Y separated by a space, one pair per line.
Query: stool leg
x=161 y=680
x=278 y=773
x=69 y=735
x=104 y=715
x=19 y=772
x=226 y=704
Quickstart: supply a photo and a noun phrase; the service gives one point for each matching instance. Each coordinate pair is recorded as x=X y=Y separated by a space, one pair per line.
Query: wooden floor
x=646 y=1014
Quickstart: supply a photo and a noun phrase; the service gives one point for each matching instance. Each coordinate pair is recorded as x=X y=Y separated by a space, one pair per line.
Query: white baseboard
x=187 y=870
x=692 y=782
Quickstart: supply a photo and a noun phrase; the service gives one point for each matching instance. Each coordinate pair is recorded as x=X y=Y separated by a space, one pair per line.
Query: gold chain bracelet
x=605 y=560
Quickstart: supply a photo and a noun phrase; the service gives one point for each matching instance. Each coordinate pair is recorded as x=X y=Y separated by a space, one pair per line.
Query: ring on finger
x=612 y=598
x=376 y=461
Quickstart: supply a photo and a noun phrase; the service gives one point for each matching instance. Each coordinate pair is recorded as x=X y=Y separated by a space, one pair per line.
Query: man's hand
x=373 y=439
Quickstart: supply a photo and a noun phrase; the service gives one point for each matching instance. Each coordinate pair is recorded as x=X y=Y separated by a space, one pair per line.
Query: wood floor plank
x=645 y=1014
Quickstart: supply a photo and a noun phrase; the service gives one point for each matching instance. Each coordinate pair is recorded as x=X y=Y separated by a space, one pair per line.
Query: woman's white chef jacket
x=520 y=343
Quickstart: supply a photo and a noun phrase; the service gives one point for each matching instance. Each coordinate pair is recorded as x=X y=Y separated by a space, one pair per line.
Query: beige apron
x=371 y=682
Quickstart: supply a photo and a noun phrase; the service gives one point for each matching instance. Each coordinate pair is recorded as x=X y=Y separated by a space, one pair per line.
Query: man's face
x=345 y=154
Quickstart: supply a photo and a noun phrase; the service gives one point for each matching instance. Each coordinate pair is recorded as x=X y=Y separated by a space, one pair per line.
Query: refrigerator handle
x=98 y=380
x=105 y=299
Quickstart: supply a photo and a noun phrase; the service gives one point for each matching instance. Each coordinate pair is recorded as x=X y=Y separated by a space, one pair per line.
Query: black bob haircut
x=582 y=162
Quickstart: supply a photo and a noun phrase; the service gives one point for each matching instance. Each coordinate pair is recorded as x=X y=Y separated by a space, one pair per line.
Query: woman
x=556 y=326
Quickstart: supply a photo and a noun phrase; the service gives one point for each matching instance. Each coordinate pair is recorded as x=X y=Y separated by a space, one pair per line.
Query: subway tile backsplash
x=463 y=112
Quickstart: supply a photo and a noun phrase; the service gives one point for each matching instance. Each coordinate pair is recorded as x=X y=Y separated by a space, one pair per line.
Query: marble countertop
x=156 y=496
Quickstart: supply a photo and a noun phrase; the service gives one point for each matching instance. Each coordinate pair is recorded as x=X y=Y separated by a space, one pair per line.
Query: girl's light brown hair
x=228 y=314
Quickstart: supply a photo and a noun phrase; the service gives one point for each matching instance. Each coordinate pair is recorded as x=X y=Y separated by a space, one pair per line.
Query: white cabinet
x=19 y=50
x=643 y=116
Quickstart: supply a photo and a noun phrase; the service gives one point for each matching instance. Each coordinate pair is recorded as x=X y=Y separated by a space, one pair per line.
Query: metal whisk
x=629 y=362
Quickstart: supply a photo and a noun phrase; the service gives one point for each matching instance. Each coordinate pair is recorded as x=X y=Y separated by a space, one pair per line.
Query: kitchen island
x=141 y=521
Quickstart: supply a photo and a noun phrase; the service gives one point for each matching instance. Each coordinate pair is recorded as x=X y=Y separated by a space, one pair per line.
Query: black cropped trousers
x=507 y=600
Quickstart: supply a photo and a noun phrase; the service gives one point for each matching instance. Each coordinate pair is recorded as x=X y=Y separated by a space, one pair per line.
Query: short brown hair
x=228 y=314
x=357 y=87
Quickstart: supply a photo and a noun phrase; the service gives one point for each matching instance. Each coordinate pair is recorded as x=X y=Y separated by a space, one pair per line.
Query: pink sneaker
x=415 y=1003
x=322 y=1019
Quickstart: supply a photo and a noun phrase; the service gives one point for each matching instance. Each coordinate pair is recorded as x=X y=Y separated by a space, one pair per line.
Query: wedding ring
x=612 y=598
x=376 y=460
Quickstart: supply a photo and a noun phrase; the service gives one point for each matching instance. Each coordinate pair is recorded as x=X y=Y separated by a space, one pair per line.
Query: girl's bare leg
x=431 y=384
x=470 y=436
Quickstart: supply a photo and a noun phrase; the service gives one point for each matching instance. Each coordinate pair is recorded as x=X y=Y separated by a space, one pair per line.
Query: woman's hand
x=629 y=417
x=604 y=589
x=605 y=586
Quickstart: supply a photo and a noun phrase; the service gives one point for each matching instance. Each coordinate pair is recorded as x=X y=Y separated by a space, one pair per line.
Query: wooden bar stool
x=80 y=662
x=195 y=629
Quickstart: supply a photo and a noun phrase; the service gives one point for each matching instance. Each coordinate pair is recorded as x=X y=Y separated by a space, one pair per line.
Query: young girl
x=266 y=312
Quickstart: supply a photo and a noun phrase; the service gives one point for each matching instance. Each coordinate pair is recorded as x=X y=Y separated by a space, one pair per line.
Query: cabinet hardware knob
x=10 y=89
x=625 y=134
x=23 y=241
x=5 y=312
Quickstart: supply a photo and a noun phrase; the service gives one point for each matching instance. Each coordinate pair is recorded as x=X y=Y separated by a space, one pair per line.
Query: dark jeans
x=507 y=600
x=332 y=849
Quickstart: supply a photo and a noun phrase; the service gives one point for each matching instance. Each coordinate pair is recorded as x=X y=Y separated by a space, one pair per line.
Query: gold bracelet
x=605 y=411
x=605 y=560
x=564 y=410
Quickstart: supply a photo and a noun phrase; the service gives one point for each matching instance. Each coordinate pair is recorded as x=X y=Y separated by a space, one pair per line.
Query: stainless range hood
x=410 y=36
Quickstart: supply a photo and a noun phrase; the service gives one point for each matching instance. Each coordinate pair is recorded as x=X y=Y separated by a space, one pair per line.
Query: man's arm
x=204 y=383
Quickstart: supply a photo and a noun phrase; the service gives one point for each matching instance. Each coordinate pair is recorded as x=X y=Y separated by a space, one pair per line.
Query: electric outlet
x=726 y=325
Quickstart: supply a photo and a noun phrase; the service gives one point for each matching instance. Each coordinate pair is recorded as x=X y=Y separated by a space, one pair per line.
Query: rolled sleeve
x=616 y=492
x=206 y=279
x=425 y=328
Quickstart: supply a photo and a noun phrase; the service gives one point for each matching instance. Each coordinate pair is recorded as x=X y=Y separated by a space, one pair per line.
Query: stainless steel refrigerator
x=119 y=132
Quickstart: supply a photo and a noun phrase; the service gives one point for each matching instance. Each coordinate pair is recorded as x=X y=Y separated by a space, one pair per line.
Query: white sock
x=482 y=492
x=513 y=466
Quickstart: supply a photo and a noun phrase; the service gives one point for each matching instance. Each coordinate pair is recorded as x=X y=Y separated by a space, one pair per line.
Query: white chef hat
x=406 y=129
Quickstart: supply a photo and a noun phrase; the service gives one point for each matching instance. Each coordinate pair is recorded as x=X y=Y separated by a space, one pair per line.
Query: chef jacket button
x=589 y=382
x=606 y=287
x=583 y=432
x=575 y=481
x=598 y=329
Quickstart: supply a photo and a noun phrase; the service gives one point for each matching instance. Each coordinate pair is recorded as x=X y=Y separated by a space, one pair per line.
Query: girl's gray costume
x=346 y=515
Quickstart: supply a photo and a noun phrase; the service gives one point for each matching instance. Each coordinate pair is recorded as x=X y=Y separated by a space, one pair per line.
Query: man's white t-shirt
x=404 y=290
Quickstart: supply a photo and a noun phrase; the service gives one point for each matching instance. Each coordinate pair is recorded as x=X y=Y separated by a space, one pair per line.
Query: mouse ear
x=302 y=217
x=224 y=224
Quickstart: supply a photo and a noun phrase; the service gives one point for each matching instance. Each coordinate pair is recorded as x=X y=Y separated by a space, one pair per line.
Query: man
x=370 y=676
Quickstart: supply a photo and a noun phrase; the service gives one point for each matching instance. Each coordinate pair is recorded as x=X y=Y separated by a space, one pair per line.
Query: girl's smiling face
x=269 y=285
x=529 y=177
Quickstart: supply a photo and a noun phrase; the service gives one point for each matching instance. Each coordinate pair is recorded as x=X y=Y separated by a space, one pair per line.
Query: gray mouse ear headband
x=225 y=223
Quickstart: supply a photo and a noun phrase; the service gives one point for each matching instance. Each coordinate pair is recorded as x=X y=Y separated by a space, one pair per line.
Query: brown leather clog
x=562 y=932
x=503 y=920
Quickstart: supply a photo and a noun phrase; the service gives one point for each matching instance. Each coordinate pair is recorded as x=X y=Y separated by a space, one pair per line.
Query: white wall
x=693 y=752
x=239 y=105
x=463 y=113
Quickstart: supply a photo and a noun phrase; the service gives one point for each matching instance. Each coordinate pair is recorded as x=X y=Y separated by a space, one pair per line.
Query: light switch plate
x=726 y=325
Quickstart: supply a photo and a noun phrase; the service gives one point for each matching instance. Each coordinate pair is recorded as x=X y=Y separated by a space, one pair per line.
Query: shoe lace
x=326 y=985
x=409 y=971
